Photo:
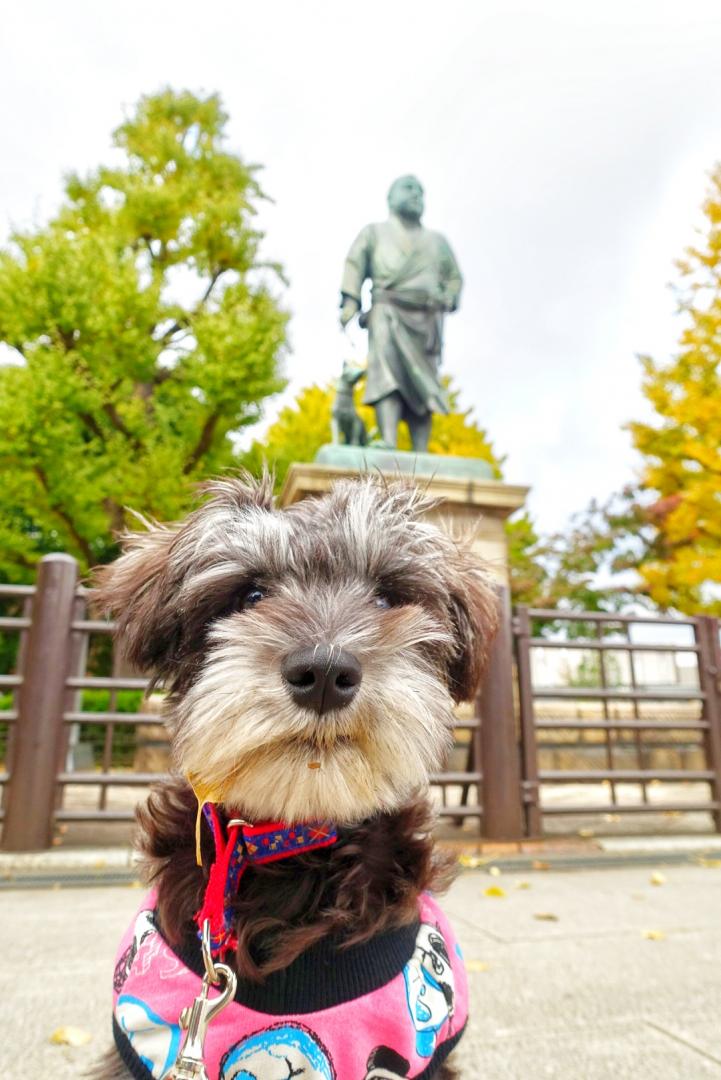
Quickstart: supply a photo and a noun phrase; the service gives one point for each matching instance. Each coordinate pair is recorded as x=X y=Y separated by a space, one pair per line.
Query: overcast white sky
x=563 y=145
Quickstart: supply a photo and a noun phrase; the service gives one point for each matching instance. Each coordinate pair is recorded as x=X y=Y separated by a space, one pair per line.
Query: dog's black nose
x=322 y=678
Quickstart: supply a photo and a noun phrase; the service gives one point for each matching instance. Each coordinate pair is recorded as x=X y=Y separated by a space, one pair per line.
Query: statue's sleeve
x=451 y=277
x=357 y=266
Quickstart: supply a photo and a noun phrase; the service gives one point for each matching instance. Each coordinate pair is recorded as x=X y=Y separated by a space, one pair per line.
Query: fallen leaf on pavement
x=472 y=862
x=710 y=864
x=476 y=965
x=494 y=871
x=611 y=817
x=545 y=916
x=70 y=1036
x=539 y=864
x=495 y=890
x=653 y=935
x=523 y=884
x=586 y=834
x=657 y=878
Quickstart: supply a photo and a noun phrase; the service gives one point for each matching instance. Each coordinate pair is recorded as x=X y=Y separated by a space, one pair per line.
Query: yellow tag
x=204 y=794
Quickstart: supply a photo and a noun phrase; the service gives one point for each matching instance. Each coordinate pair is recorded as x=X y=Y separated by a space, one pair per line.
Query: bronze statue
x=415 y=281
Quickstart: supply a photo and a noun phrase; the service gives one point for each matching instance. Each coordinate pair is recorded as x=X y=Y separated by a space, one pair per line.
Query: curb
x=66 y=868
x=114 y=858
x=595 y=861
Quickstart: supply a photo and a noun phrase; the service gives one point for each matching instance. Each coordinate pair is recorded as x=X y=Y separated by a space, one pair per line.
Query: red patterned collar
x=239 y=844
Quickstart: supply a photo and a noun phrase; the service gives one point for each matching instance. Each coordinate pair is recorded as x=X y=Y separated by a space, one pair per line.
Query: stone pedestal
x=468 y=498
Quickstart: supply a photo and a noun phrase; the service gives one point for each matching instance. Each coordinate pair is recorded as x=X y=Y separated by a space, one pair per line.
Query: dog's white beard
x=241 y=737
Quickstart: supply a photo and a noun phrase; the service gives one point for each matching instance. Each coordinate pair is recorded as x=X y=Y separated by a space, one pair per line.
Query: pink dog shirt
x=392 y=1008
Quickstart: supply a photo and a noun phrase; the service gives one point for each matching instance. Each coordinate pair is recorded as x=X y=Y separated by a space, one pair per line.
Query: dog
x=345 y=420
x=311 y=657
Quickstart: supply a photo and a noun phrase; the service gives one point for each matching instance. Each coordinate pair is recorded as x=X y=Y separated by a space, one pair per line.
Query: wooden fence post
x=500 y=765
x=72 y=699
x=709 y=663
x=39 y=734
x=529 y=745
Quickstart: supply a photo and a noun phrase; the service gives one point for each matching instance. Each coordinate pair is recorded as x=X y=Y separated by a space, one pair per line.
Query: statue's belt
x=389 y=296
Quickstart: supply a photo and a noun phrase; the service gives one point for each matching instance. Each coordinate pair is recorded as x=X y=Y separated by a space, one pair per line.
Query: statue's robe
x=415 y=281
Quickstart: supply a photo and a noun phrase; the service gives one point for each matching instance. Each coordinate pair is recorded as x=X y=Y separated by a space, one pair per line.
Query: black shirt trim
x=322 y=976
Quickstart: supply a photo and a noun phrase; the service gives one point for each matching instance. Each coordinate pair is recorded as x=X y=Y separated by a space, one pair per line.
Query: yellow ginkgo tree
x=681 y=476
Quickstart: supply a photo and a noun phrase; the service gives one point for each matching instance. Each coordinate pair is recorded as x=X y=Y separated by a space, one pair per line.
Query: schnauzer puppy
x=311 y=658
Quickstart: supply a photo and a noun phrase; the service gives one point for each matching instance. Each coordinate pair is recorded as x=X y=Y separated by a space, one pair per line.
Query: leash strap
x=237 y=846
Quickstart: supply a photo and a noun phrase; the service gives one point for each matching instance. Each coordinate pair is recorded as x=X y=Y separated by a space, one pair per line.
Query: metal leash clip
x=195 y=1018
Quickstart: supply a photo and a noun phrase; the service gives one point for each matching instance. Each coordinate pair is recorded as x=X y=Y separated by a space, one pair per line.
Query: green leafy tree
x=302 y=427
x=144 y=330
x=682 y=448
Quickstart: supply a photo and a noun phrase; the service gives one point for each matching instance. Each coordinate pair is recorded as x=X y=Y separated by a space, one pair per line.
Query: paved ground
x=585 y=997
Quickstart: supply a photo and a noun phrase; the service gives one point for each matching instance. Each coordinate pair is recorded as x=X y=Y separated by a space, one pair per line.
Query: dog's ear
x=141 y=588
x=135 y=590
x=474 y=606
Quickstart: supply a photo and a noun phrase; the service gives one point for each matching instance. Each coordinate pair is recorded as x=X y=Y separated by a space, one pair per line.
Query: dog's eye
x=382 y=601
x=252 y=596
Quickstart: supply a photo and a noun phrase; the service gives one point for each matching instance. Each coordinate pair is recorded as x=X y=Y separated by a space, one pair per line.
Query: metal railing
x=627 y=710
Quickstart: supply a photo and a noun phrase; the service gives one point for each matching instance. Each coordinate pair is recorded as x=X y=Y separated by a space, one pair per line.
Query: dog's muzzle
x=321 y=677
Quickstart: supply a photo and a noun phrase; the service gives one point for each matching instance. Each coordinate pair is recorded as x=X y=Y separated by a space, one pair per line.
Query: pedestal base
x=390 y=462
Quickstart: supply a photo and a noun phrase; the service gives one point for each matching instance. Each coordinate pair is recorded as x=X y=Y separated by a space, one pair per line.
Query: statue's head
x=406 y=198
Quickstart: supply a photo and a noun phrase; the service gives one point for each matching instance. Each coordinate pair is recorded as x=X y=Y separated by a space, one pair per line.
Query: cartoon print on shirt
x=385 y=1064
x=155 y=1041
x=429 y=988
x=144 y=926
x=279 y=1052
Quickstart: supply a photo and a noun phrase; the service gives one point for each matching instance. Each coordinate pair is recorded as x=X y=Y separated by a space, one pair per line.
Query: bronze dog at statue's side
x=345 y=421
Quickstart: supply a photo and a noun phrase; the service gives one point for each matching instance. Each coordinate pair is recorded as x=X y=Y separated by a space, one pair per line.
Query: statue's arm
x=452 y=281
x=355 y=271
